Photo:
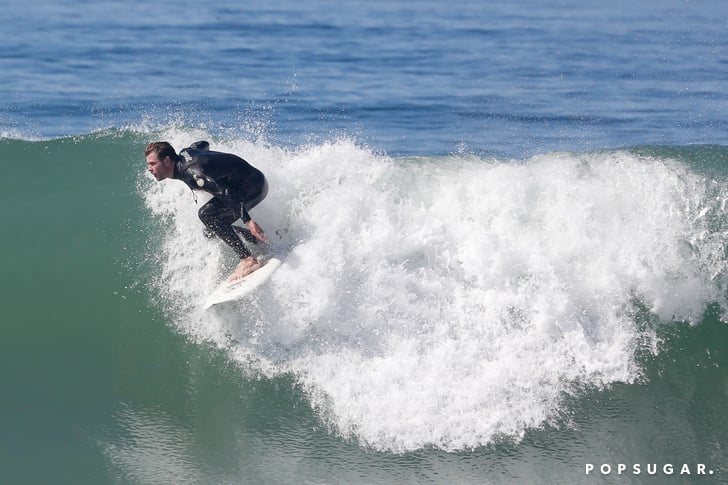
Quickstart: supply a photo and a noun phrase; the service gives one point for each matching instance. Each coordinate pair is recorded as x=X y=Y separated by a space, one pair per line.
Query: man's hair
x=162 y=148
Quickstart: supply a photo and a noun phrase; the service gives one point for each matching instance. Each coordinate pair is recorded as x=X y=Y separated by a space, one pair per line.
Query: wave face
x=441 y=314
x=450 y=302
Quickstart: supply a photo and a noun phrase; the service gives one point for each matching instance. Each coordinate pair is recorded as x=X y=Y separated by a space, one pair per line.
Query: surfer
x=236 y=187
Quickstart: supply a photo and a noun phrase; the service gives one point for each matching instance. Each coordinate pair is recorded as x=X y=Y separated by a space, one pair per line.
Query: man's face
x=161 y=169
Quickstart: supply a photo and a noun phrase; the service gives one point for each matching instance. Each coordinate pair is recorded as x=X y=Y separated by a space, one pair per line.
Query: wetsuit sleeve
x=244 y=214
x=199 y=180
x=206 y=183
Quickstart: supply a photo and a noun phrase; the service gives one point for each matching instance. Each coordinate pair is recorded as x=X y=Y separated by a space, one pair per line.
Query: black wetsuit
x=236 y=187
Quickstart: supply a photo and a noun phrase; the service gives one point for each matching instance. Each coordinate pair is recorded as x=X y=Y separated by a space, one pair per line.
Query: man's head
x=161 y=159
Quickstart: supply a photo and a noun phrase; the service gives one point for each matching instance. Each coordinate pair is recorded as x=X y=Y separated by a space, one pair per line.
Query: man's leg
x=245 y=233
x=218 y=218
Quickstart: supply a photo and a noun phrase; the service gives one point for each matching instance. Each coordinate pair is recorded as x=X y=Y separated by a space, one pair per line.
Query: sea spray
x=450 y=301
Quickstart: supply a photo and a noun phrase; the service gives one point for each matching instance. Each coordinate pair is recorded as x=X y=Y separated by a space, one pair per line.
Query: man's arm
x=207 y=184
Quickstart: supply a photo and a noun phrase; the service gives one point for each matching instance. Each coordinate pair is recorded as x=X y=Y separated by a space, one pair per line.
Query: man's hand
x=256 y=230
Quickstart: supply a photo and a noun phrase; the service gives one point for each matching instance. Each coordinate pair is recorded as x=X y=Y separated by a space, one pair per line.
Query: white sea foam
x=446 y=302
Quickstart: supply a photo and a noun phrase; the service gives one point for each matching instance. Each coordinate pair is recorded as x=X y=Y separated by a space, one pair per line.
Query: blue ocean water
x=505 y=227
x=425 y=77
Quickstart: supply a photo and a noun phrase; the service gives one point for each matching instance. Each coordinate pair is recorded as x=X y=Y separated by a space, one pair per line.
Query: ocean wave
x=452 y=301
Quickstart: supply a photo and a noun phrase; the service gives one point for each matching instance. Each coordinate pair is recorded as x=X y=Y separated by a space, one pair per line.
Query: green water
x=99 y=386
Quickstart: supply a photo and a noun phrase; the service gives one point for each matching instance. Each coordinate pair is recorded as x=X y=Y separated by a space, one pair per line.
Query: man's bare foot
x=245 y=267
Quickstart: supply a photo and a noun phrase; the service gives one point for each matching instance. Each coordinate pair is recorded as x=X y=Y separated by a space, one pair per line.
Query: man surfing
x=236 y=187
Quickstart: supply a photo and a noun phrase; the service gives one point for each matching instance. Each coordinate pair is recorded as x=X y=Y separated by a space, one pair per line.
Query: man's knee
x=212 y=214
x=207 y=214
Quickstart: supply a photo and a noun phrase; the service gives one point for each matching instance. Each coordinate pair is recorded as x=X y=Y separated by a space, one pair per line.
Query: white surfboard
x=227 y=292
